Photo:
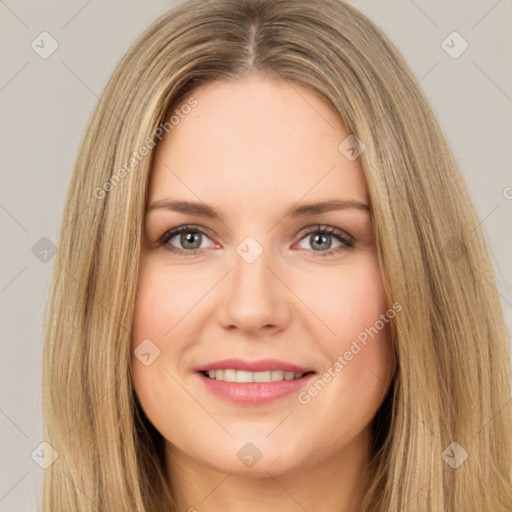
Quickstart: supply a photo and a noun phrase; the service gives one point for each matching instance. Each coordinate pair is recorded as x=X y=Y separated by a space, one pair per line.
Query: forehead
x=255 y=141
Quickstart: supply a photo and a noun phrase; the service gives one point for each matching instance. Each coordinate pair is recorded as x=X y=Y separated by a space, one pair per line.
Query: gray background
x=45 y=104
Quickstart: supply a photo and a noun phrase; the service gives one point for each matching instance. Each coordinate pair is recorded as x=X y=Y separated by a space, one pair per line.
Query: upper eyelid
x=173 y=232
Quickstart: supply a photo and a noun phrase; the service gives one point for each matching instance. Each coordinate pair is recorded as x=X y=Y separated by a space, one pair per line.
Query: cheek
x=358 y=348
x=163 y=299
x=151 y=303
x=155 y=315
x=348 y=301
x=165 y=313
x=158 y=309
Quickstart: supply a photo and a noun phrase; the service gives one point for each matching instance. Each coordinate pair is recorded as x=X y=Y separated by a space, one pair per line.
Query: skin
x=252 y=149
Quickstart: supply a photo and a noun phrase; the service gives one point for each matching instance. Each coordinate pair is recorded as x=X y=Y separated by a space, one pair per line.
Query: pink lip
x=253 y=366
x=254 y=393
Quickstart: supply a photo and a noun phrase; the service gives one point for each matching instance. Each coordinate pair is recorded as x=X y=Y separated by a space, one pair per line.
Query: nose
x=254 y=297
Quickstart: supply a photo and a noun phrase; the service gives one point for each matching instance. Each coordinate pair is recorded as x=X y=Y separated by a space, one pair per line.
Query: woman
x=332 y=342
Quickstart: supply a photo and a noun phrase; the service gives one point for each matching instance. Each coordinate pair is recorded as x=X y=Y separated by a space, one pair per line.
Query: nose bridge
x=250 y=264
x=250 y=272
x=255 y=297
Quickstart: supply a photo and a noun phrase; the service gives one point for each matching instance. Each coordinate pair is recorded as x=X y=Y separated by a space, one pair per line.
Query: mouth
x=253 y=383
x=244 y=376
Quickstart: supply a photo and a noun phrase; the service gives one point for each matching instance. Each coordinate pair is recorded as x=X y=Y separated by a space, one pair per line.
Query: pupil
x=190 y=237
x=324 y=239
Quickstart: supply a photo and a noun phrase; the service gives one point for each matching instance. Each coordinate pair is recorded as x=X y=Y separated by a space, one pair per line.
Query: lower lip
x=255 y=393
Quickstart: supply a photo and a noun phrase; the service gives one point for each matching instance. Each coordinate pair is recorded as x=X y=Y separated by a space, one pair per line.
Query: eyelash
x=346 y=240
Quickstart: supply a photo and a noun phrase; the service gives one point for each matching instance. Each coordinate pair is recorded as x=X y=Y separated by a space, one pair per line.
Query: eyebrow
x=204 y=210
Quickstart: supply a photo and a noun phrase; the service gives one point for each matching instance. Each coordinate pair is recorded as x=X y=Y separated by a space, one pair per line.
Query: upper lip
x=260 y=365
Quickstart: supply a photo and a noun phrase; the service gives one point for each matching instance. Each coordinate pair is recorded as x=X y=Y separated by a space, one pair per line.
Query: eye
x=189 y=240
x=321 y=238
x=189 y=237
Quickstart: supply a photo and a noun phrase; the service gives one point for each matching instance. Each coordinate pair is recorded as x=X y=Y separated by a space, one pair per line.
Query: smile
x=253 y=382
x=232 y=375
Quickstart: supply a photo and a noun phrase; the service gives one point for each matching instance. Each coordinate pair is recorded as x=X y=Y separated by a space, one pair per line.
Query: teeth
x=244 y=376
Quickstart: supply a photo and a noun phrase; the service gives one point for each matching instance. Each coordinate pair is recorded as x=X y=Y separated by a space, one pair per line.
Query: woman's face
x=260 y=283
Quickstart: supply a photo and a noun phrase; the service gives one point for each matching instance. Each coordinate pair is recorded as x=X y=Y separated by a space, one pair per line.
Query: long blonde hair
x=452 y=383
